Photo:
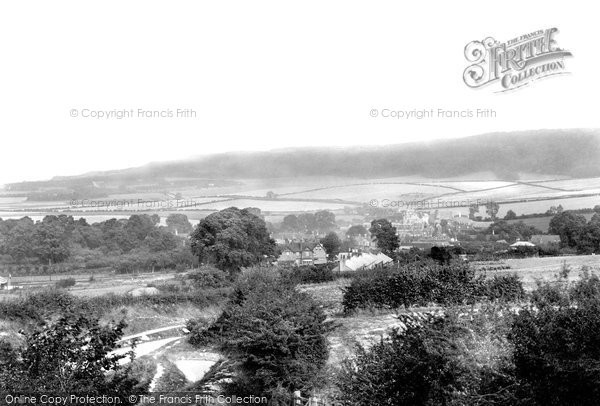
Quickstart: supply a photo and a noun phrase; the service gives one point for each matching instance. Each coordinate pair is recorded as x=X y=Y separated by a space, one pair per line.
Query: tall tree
x=49 y=242
x=231 y=239
x=332 y=244
x=384 y=234
x=290 y=223
x=325 y=221
x=356 y=230
x=491 y=209
x=569 y=226
x=179 y=222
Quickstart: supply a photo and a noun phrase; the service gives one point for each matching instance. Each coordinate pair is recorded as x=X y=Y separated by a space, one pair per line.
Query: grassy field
x=531 y=270
x=320 y=193
x=86 y=286
x=543 y=223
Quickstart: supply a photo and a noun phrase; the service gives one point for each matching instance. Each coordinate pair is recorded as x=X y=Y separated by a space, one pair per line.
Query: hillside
x=561 y=153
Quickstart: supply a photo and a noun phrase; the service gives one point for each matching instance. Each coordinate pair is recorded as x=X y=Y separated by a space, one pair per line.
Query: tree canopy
x=231 y=239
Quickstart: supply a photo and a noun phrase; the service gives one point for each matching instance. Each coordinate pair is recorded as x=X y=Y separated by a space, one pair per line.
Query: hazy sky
x=263 y=75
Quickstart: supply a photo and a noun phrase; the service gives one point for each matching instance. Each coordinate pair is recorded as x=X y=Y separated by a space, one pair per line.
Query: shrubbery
x=209 y=277
x=275 y=334
x=39 y=306
x=438 y=361
x=424 y=283
x=309 y=274
x=66 y=283
x=503 y=287
x=70 y=355
x=546 y=353
x=557 y=344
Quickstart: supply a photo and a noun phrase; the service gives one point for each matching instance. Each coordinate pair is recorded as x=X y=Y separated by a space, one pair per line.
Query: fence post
x=297 y=399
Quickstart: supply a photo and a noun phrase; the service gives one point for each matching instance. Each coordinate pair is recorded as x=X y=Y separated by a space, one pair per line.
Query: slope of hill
x=561 y=153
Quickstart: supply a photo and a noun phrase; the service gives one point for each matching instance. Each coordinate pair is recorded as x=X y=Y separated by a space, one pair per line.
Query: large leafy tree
x=385 y=236
x=16 y=239
x=589 y=237
x=325 y=221
x=140 y=225
x=179 y=222
x=332 y=244
x=232 y=239
x=356 y=230
x=569 y=226
x=50 y=243
x=290 y=223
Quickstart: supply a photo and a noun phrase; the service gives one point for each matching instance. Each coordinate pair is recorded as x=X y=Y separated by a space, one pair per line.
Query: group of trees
x=576 y=232
x=309 y=223
x=511 y=232
x=58 y=239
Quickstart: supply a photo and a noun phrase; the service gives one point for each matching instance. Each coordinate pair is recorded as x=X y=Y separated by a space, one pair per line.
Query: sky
x=264 y=75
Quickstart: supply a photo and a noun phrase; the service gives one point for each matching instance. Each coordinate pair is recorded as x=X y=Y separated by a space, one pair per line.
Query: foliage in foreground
x=275 y=335
x=547 y=353
x=70 y=355
x=437 y=362
x=557 y=344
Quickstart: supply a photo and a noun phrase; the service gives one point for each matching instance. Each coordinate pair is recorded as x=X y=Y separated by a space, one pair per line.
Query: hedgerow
x=425 y=283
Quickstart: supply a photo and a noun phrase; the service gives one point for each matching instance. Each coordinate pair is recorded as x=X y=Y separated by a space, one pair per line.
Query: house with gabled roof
x=302 y=253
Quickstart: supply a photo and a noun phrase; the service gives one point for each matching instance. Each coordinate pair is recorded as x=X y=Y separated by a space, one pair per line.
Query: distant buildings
x=522 y=244
x=302 y=253
x=546 y=241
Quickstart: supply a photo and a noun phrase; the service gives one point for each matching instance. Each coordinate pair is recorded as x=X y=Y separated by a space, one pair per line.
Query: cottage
x=303 y=254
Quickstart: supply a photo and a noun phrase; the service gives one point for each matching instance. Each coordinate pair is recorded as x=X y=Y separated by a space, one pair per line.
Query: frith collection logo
x=515 y=63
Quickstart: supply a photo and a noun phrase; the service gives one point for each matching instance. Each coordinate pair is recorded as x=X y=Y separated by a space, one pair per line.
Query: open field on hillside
x=546 y=268
x=325 y=193
x=543 y=223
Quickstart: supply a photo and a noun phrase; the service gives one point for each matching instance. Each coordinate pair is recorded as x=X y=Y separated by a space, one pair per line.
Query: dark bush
x=557 y=344
x=275 y=334
x=420 y=367
x=209 y=277
x=309 y=274
x=412 y=284
x=66 y=283
x=507 y=288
